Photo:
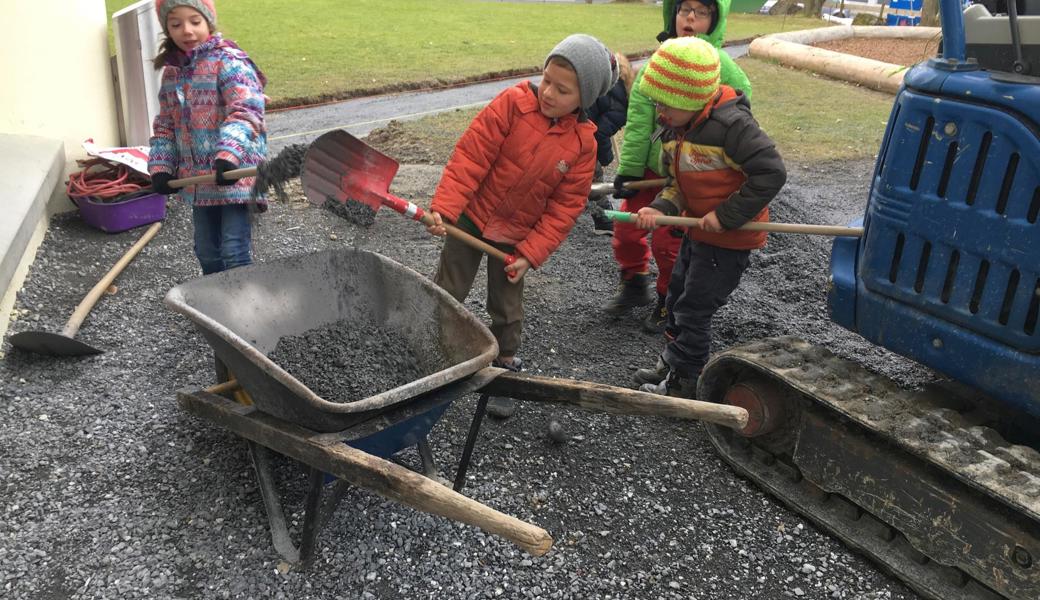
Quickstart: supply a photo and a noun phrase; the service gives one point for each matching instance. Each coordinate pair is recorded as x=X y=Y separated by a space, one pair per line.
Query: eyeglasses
x=700 y=13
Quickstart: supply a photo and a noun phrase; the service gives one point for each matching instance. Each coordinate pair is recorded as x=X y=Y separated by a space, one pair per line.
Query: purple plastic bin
x=113 y=217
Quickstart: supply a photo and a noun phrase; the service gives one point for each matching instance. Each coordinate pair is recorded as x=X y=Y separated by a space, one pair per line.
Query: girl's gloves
x=221 y=166
x=161 y=184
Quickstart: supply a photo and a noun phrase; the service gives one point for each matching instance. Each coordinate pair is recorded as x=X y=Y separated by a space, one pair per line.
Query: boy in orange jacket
x=519 y=179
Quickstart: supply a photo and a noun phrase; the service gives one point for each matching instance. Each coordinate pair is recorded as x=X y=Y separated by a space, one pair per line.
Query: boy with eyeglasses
x=640 y=159
x=721 y=168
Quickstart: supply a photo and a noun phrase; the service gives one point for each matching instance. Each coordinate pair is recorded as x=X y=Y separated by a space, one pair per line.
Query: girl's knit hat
x=595 y=66
x=205 y=7
x=683 y=73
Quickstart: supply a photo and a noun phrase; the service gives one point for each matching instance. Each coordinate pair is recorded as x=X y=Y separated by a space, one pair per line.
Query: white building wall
x=56 y=75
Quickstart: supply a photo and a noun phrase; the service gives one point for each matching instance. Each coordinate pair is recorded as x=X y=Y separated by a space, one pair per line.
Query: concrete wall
x=56 y=90
x=55 y=76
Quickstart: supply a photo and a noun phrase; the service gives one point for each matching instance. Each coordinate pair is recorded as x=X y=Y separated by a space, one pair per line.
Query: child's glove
x=161 y=184
x=620 y=191
x=221 y=166
x=516 y=268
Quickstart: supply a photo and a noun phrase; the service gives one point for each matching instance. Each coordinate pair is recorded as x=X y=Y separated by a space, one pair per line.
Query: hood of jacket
x=215 y=43
x=716 y=36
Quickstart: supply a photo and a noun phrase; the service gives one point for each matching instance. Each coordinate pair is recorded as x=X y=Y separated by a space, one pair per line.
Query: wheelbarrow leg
x=318 y=508
x=312 y=520
x=471 y=440
x=279 y=529
x=426 y=454
x=220 y=370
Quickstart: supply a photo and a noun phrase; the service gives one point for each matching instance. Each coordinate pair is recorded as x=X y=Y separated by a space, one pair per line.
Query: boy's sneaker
x=675 y=385
x=652 y=376
x=658 y=318
x=601 y=225
x=503 y=407
x=635 y=291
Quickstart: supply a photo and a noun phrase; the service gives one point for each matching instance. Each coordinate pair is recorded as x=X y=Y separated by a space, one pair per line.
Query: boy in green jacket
x=641 y=159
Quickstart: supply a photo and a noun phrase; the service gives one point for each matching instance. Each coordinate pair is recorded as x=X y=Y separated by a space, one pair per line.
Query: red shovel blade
x=340 y=166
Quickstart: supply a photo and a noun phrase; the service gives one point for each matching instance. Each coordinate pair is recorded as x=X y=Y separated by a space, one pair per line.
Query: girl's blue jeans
x=223 y=237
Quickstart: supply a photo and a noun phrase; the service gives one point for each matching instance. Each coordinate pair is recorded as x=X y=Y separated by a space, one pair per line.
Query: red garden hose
x=104 y=180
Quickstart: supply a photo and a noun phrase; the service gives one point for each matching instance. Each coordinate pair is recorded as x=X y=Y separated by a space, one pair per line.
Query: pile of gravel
x=109 y=490
x=351 y=360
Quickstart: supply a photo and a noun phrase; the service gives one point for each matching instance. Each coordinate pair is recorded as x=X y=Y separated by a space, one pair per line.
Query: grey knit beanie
x=595 y=66
x=205 y=7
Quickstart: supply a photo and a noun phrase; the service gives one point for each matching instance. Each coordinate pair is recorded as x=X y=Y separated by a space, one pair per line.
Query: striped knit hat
x=205 y=7
x=683 y=73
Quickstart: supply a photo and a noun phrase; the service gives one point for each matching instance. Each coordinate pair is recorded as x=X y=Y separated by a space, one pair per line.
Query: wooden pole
x=88 y=302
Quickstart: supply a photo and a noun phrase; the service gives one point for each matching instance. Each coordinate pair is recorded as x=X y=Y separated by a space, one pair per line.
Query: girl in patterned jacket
x=518 y=179
x=211 y=119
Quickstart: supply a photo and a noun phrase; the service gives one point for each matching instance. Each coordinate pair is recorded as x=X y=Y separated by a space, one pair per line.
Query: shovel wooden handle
x=99 y=288
x=365 y=470
x=469 y=240
x=212 y=177
x=832 y=230
x=602 y=189
x=610 y=399
x=645 y=184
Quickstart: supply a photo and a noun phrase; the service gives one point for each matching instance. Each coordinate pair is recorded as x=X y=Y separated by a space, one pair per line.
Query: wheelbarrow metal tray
x=242 y=313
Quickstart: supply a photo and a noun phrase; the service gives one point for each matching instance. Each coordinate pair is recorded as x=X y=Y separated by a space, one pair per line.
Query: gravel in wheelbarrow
x=351 y=360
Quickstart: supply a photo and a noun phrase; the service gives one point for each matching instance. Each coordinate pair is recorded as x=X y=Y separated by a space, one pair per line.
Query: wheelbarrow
x=244 y=312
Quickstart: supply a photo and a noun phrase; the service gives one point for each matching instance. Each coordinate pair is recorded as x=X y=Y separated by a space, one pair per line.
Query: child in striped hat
x=721 y=168
x=639 y=159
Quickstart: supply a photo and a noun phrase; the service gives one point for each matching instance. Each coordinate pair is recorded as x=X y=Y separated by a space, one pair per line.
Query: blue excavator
x=940 y=486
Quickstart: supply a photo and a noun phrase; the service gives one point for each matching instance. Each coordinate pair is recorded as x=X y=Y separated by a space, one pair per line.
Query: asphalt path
x=361 y=115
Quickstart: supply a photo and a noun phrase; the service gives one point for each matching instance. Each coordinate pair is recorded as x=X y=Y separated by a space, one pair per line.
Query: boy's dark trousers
x=703 y=278
x=505 y=301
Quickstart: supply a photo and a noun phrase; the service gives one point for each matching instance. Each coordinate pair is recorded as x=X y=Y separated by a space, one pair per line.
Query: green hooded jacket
x=638 y=153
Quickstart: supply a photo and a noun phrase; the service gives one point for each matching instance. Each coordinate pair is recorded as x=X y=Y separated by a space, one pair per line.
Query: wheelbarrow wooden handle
x=627 y=217
x=365 y=470
x=610 y=399
x=88 y=302
x=212 y=177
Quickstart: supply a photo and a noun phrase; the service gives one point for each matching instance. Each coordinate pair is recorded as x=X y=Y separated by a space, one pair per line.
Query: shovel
x=341 y=167
x=832 y=230
x=64 y=343
x=273 y=173
x=603 y=189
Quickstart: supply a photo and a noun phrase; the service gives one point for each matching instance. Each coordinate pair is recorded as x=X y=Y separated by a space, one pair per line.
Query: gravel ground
x=108 y=490
x=891 y=50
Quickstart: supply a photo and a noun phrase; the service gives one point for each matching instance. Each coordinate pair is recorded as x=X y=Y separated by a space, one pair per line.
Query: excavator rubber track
x=916 y=480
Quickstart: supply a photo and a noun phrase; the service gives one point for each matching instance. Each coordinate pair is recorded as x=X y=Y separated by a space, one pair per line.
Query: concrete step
x=31 y=171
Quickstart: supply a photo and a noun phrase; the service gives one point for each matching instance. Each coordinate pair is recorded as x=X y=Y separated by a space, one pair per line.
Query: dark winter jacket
x=608 y=113
x=723 y=162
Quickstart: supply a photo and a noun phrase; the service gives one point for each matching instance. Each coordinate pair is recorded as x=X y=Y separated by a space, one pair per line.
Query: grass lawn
x=848 y=124
x=326 y=49
x=786 y=105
